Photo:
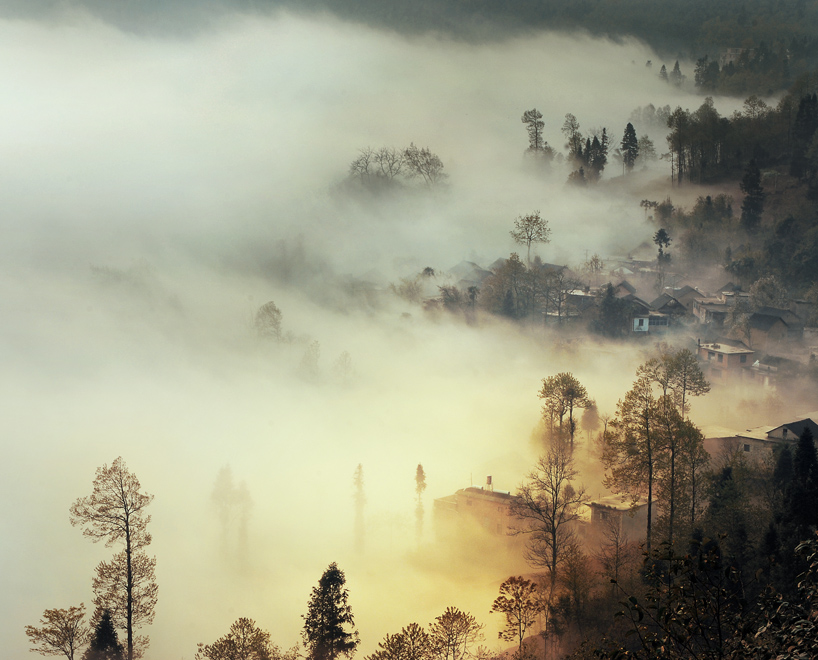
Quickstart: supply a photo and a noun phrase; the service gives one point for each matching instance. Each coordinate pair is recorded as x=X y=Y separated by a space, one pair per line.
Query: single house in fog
x=770 y=327
x=667 y=304
x=791 y=431
x=723 y=361
x=640 y=313
x=480 y=506
x=758 y=442
x=713 y=309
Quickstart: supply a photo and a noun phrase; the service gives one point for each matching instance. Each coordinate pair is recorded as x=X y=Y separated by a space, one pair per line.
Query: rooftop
x=726 y=349
x=615 y=502
x=756 y=433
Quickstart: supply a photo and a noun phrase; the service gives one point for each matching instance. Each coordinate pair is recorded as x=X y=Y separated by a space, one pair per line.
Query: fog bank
x=157 y=191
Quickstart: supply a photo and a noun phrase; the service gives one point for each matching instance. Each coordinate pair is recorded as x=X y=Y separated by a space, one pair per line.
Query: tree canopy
x=244 y=641
x=61 y=632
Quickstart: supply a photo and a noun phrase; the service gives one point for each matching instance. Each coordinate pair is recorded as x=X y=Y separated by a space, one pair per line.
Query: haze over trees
x=268 y=321
x=542 y=310
x=420 y=487
x=630 y=147
x=233 y=505
x=359 y=497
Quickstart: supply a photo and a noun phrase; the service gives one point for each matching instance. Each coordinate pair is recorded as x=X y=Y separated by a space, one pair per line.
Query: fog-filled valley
x=157 y=190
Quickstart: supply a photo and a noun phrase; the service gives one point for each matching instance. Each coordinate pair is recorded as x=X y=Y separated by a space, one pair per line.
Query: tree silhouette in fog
x=329 y=627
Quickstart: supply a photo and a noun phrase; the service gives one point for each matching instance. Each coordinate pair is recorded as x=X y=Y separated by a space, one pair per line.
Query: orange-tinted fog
x=156 y=191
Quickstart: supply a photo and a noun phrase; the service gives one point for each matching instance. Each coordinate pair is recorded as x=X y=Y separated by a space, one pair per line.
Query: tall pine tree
x=630 y=146
x=104 y=643
x=329 y=628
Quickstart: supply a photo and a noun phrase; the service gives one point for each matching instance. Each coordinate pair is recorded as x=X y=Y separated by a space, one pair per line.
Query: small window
x=743 y=359
x=721 y=358
x=710 y=355
x=746 y=447
x=641 y=323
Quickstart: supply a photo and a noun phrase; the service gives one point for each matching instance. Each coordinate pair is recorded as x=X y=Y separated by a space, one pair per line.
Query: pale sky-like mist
x=151 y=189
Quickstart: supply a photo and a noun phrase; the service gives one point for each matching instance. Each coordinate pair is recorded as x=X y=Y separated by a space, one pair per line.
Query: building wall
x=632 y=523
x=762 y=340
x=469 y=506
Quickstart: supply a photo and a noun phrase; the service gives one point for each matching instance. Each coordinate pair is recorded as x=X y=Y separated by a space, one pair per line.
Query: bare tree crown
x=115 y=510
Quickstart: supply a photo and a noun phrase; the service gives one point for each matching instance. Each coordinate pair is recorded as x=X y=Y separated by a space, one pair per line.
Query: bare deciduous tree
x=678 y=375
x=390 y=162
x=421 y=162
x=360 y=167
x=61 y=632
x=549 y=503
x=594 y=267
x=530 y=229
x=115 y=513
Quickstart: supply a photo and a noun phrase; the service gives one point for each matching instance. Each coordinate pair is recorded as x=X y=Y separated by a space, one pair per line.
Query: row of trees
x=762 y=69
x=451 y=636
x=387 y=165
x=359 y=501
x=704 y=146
x=587 y=155
x=329 y=629
x=651 y=451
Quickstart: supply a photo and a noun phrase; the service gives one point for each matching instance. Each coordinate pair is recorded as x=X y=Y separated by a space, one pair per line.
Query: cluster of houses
x=767 y=345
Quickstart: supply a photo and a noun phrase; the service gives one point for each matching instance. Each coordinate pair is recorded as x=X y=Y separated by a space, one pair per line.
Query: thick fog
x=157 y=190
